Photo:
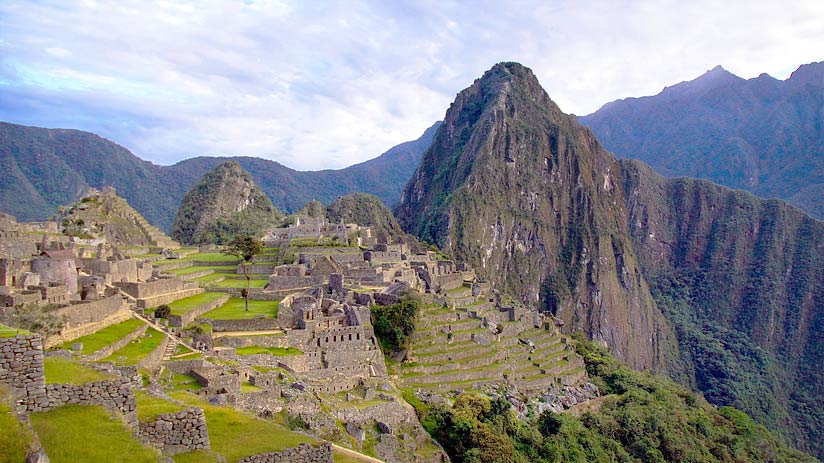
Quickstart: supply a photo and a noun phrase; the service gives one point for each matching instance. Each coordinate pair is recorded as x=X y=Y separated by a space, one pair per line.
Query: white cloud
x=316 y=85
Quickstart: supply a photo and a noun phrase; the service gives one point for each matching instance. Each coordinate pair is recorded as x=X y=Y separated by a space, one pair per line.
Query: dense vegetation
x=394 y=324
x=224 y=204
x=367 y=210
x=761 y=134
x=49 y=167
x=642 y=419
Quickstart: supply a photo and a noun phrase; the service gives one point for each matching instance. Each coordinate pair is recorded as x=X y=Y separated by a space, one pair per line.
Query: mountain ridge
x=52 y=167
x=762 y=134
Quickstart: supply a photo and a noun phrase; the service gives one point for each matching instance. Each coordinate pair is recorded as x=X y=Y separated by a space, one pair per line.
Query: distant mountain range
x=47 y=168
x=762 y=135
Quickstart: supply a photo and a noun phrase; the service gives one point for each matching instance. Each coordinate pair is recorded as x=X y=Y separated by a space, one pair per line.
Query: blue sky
x=327 y=84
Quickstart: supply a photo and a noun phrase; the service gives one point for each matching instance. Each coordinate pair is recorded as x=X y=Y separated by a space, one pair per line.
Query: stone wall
x=288 y=283
x=21 y=367
x=152 y=361
x=155 y=301
x=189 y=317
x=253 y=324
x=115 y=395
x=246 y=341
x=303 y=453
x=148 y=289
x=89 y=317
x=177 y=432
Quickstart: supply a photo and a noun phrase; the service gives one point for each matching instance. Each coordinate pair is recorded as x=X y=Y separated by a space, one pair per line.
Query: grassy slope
x=76 y=433
x=105 y=337
x=138 y=349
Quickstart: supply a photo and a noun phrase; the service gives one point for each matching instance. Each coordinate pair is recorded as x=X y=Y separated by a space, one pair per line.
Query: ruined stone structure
x=337 y=340
x=177 y=432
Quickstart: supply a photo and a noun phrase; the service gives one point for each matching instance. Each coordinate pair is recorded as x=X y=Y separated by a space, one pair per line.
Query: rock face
x=224 y=203
x=530 y=198
x=762 y=135
x=723 y=291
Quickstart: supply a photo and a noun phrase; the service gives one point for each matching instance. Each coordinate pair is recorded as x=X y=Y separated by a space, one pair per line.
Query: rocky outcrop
x=224 y=203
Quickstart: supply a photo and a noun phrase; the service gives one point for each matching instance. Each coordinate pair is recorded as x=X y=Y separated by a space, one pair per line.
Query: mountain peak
x=224 y=203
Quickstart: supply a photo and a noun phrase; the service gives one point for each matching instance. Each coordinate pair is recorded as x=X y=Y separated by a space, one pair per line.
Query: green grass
x=76 y=433
x=105 y=337
x=149 y=406
x=63 y=371
x=15 y=438
x=277 y=351
x=187 y=304
x=210 y=278
x=235 y=309
x=185 y=383
x=199 y=268
x=246 y=387
x=138 y=349
x=241 y=283
x=9 y=332
x=211 y=257
x=236 y=434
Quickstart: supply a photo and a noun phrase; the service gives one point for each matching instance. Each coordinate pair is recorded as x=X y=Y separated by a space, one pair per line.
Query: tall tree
x=245 y=248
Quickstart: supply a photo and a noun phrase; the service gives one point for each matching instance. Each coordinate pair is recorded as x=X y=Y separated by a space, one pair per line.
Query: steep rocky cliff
x=225 y=202
x=716 y=287
x=529 y=197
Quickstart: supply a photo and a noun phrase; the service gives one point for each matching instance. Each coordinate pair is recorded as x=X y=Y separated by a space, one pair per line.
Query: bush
x=163 y=311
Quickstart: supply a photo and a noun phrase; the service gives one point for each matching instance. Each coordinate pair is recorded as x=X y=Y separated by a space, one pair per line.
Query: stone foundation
x=303 y=453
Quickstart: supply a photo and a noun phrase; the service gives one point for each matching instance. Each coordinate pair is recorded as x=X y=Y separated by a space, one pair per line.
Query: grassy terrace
x=235 y=434
x=276 y=351
x=210 y=278
x=187 y=304
x=235 y=309
x=105 y=337
x=200 y=268
x=9 y=332
x=76 y=433
x=62 y=371
x=149 y=406
x=138 y=349
x=15 y=439
x=241 y=283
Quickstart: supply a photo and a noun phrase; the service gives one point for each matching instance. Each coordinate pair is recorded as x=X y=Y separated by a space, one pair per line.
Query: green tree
x=245 y=248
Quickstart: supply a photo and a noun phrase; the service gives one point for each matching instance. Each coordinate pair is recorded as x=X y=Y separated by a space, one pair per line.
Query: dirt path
x=355 y=454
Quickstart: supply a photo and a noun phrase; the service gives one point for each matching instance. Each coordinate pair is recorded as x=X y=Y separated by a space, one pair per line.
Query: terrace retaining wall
x=303 y=453
x=177 y=432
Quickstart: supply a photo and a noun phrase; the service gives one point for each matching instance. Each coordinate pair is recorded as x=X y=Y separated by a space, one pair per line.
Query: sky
x=317 y=85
